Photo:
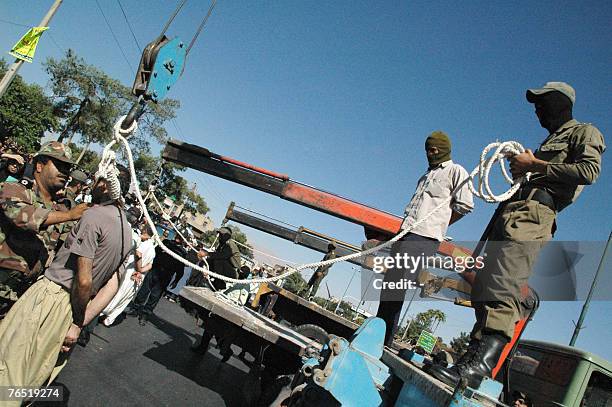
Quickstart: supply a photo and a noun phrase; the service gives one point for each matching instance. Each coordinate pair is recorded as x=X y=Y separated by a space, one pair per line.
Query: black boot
x=479 y=364
x=202 y=347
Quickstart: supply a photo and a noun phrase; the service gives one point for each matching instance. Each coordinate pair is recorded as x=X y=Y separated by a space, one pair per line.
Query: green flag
x=25 y=48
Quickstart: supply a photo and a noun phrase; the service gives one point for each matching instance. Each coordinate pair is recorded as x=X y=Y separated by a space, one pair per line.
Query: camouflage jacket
x=25 y=245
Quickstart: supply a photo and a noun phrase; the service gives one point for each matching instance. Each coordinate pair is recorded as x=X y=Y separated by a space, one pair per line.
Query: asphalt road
x=131 y=365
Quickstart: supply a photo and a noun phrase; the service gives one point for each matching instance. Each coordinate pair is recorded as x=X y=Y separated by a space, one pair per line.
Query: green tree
x=194 y=202
x=25 y=114
x=460 y=343
x=296 y=284
x=346 y=310
x=88 y=102
x=427 y=320
x=89 y=161
x=244 y=246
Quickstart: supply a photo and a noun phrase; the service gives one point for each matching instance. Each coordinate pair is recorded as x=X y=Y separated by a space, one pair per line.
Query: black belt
x=538 y=195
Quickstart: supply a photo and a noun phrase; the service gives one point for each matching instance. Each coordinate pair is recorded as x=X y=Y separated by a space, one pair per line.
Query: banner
x=25 y=48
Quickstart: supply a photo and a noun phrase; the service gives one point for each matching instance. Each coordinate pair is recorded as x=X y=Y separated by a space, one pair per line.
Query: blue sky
x=341 y=95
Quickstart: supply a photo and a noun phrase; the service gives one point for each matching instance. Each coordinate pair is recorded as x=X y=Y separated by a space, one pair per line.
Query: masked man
x=443 y=179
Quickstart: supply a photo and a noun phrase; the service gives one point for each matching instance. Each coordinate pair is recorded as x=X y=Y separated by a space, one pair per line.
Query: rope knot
x=118 y=131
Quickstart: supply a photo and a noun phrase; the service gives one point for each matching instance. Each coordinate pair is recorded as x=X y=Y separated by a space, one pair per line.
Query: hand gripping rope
x=501 y=150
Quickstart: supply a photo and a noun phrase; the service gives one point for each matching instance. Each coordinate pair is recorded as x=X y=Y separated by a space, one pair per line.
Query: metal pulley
x=161 y=64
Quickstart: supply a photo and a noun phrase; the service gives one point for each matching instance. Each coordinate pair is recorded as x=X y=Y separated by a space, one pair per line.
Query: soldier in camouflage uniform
x=567 y=160
x=31 y=222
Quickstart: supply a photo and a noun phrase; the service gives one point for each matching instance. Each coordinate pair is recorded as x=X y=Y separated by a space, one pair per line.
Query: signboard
x=427 y=341
x=26 y=46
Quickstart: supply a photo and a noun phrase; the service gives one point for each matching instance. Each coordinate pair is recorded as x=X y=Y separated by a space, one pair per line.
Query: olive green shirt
x=226 y=259
x=574 y=155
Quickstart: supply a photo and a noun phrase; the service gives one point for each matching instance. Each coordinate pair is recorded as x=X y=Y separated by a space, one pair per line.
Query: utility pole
x=403 y=319
x=12 y=71
x=346 y=289
x=585 y=307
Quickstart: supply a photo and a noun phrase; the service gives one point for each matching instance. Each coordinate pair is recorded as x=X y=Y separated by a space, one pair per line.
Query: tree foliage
x=88 y=101
x=460 y=343
x=245 y=248
x=426 y=320
x=25 y=114
x=295 y=283
x=194 y=202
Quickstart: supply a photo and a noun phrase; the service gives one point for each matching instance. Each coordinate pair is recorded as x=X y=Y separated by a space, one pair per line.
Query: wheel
x=315 y=332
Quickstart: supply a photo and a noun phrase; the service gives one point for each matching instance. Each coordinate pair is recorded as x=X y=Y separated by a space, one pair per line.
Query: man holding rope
x=567 y=160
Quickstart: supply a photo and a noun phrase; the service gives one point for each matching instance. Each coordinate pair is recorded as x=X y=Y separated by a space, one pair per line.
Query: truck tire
x=315 y=332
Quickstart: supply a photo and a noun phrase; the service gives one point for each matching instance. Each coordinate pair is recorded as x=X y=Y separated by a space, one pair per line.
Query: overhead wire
x=30 y=26
x=115 y=38
x=129 y=26
x=201 y=26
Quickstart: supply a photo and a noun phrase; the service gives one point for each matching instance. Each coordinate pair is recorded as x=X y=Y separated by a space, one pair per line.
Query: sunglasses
x=63 y=167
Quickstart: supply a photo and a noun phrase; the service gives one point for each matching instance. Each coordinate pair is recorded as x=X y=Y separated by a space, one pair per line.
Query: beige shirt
x=574 y=155
x=438 y=184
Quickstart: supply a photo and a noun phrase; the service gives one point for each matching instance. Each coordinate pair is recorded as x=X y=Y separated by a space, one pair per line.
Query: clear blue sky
x=341 y=95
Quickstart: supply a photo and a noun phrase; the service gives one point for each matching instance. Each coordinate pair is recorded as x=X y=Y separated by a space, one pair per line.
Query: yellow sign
x=26 y=46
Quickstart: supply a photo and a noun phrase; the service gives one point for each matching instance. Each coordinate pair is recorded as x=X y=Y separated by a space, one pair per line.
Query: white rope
x=502 y=149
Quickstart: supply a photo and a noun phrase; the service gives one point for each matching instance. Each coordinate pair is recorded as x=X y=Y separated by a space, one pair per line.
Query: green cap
x=57 y=150
x=224 y=231
x=79 y=176
x=562 y=87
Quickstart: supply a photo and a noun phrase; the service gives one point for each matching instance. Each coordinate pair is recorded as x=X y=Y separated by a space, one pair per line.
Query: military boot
x=480 y=363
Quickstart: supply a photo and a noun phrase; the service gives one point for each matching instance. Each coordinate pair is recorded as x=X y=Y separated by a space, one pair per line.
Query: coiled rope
x=501 y=151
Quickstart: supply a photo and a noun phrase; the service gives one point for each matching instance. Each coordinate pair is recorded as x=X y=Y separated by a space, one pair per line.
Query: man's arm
x=92 y=310
x=75 y=213
x=584 y=170
x=81 y=290
x=102 y=298
x=463 y=201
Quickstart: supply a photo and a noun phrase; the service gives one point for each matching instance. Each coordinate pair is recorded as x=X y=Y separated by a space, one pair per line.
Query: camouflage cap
x=57 y=150
x=79 y=176
x=562 y=87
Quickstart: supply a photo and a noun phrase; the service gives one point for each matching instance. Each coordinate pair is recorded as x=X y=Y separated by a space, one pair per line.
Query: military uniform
x=526 y=223
x=225 y=261
x=320 y=274
x=26 y=247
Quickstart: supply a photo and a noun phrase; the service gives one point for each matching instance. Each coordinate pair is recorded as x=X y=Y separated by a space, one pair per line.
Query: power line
x=115 y=38
x=30 y=26
x=16 y=24
x=129 y=26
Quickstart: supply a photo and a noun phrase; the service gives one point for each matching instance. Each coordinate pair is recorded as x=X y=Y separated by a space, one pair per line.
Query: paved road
x=130 y=365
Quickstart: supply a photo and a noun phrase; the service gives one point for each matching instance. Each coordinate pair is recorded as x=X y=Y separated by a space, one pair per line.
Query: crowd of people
x=75 y=251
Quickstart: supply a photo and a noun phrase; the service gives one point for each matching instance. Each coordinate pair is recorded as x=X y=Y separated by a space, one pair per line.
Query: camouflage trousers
x=517 y=237
x=13 y=284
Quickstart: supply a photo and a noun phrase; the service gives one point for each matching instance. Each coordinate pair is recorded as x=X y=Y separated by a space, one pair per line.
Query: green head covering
x=440 y=140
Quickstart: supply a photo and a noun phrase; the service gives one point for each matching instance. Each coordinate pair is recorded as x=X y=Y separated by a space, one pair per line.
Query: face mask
x=441 y=141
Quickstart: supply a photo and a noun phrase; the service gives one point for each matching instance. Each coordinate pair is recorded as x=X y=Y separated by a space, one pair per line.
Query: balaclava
x=440 y=140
